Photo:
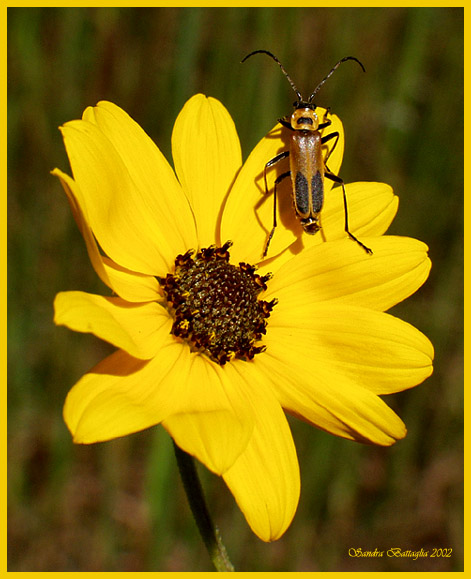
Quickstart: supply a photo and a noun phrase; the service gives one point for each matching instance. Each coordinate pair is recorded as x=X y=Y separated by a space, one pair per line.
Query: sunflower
x=215 y=342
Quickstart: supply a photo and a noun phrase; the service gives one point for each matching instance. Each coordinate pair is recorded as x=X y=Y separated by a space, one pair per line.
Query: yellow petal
x=265 y=478
x=121 y=395
x=342 y=272
x=160 y=194
x=348 y=411
x=371 y=209
x=207 y=156
x=75 y=199
x=248 y=212
x=375 y=350
x=217 y=437
x=328 y=363
x=329 y=400
x=131 y=286
x=114 y=206
x=137 y=329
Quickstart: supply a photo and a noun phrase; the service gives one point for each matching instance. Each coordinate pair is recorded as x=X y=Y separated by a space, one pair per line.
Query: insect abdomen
x=317 y=192
x=301 y=194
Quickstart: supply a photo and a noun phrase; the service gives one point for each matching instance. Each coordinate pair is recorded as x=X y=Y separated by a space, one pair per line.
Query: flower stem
x=194 y=492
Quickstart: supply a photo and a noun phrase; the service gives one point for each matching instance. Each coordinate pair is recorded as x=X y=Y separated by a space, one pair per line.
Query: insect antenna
x=332 y=72
x=293 y=86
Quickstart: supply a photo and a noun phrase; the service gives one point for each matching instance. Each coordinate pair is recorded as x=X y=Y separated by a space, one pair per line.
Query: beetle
x=308 y=168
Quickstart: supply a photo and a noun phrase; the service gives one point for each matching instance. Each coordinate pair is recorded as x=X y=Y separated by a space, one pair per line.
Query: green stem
x=209 y=532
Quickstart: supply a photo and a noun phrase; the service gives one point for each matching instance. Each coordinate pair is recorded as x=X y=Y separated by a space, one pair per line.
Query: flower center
x=215 y=305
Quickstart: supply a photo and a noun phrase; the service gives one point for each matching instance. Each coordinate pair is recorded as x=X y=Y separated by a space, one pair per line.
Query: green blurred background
x=119 y=506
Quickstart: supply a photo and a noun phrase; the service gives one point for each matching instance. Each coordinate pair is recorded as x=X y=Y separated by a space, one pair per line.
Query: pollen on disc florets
x=215 y=304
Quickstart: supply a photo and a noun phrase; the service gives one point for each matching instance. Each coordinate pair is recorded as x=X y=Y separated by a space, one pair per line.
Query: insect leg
x=325 y=121
x=327 y=138
x=286 y=124
x=337 y=179
x=277 y=180
x=270 y=163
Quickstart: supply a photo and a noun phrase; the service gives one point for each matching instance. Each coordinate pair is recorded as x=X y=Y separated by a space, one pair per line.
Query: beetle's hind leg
x=338 y=180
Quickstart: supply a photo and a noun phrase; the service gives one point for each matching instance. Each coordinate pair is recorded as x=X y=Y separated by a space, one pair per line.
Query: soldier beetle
x=308 y=168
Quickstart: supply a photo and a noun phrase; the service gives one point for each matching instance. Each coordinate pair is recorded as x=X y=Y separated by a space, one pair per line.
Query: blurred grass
x=119 y=506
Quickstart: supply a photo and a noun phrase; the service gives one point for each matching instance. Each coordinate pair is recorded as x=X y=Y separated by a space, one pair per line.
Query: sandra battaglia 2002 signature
x=398 y=552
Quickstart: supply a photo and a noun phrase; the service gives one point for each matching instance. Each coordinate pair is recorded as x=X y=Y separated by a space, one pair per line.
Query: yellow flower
x=214 y=351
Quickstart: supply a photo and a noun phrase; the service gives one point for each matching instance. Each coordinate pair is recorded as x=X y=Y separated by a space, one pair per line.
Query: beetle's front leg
x=325 y=121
